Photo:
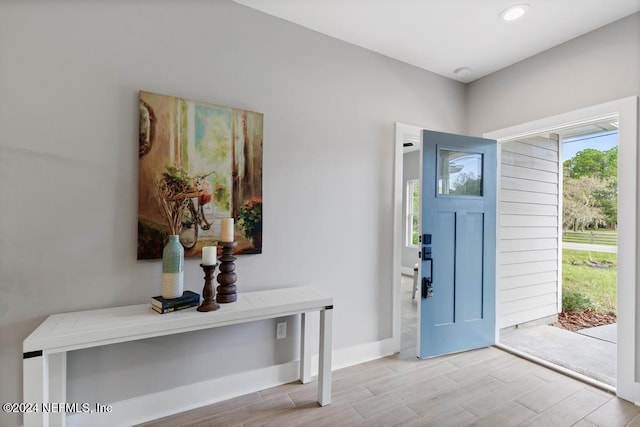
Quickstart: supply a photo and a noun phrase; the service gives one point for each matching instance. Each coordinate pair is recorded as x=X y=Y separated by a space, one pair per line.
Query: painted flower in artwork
x=250 y=217
x=205 y=197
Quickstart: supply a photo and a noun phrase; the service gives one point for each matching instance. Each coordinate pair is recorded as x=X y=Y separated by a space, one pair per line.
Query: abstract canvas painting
x=199 y=163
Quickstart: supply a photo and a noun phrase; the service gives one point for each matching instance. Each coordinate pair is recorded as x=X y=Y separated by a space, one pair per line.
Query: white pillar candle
x=209 y=255
x=226 y=225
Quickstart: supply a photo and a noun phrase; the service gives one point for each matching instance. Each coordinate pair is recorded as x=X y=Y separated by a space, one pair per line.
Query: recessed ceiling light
x=462 y=71
x=514 y=12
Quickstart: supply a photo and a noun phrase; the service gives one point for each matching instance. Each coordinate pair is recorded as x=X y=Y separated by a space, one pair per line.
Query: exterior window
x=413 y=212
x=460 y=173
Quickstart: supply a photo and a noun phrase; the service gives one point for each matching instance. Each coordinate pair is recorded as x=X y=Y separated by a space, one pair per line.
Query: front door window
x=459 y=173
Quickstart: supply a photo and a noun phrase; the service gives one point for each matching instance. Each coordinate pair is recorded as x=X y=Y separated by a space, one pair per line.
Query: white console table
x=44 y=359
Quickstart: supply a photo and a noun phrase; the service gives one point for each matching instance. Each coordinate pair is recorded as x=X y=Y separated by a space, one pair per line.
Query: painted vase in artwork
x=256 y=240
x=172 y=268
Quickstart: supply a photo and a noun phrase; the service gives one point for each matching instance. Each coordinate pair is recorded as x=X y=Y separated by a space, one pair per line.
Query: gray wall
x=600 y=66
x=69 y=76
x=410 y=170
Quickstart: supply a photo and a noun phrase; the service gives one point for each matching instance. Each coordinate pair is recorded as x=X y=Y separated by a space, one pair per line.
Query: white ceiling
x=444 y=35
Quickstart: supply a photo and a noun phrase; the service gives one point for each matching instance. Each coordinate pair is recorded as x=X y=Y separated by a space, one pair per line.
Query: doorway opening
x=471 y=194
x=559 y=201
x=626 y=111
x=627 y=383
x=409 y=144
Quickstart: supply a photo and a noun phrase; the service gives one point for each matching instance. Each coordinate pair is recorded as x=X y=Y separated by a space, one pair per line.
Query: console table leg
x=57 y=366
x=305 y=351
x=324 y=369
x=35 y=388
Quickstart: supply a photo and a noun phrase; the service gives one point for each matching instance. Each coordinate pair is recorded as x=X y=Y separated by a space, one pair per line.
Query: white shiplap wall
x=529 y=230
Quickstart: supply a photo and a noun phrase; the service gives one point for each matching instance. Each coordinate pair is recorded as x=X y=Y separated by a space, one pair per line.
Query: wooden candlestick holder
x=227 y=276
x=208 y=292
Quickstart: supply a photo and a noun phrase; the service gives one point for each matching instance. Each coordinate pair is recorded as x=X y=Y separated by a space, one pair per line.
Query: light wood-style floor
x=486 y=387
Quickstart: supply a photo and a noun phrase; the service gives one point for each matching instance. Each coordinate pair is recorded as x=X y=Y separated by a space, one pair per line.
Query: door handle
x=427 y=282
x=427 y=288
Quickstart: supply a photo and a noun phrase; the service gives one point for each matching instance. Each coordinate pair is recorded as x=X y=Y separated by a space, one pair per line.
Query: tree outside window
x=591 y=190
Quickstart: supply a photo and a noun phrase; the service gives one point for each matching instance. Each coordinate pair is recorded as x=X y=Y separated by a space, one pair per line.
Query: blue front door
x=458 y=243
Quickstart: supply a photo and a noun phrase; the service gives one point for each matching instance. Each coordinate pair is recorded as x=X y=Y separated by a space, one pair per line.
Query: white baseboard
x=360 y=353
x=168 y=402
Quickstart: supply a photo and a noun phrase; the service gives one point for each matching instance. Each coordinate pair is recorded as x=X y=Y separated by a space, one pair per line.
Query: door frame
x=626 y=109
x=398 y=233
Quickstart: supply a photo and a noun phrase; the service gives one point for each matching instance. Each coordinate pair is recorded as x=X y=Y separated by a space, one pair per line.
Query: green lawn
x=589 y=280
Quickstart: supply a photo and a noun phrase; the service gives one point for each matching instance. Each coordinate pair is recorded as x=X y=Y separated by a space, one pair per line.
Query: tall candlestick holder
x=208 y=292
x=227 y=276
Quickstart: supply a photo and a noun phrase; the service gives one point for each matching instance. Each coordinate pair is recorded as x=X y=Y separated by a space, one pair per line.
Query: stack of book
x=163 y=305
